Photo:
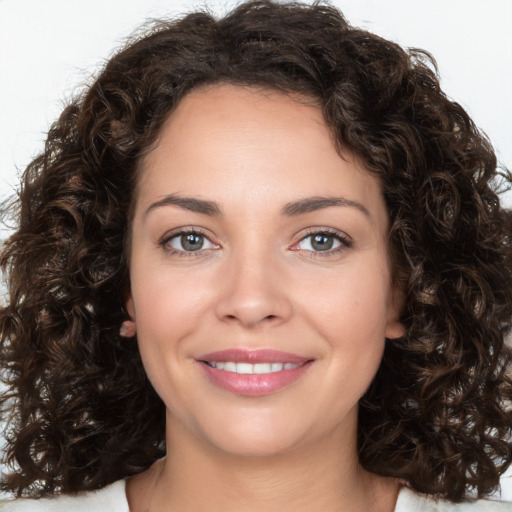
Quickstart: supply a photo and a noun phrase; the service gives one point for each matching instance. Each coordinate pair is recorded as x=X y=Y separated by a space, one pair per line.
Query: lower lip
x=257 y=384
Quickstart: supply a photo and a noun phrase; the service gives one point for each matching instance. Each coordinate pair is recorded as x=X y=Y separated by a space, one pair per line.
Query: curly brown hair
x=78 y=402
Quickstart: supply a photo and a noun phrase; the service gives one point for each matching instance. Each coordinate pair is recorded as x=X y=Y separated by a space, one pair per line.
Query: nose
x=253 y=293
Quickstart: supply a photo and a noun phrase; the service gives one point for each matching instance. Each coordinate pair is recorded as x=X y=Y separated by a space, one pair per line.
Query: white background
x=49 y=48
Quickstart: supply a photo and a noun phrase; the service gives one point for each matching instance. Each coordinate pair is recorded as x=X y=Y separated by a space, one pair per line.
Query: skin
x=258 y=282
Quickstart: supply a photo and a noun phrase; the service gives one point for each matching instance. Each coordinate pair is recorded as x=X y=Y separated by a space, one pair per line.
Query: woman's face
x=260 y=279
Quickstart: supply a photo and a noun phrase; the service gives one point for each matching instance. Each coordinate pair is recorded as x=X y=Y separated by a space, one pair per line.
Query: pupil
x=192 y=242
x=322 y=242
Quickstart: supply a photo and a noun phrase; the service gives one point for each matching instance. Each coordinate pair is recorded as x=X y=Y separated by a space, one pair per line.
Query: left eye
x=189 y=242
x=320 y=242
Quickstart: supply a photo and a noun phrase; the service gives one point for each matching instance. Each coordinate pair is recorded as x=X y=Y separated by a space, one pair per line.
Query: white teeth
x=262 y=368
x=248 y=368
x=244 y=368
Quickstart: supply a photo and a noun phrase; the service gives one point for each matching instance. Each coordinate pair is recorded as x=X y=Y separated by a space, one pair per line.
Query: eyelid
x=345 y=241
x=177 y=232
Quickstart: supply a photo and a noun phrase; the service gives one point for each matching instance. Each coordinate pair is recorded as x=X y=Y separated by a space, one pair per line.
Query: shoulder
x=409 y=500
x=109 y=499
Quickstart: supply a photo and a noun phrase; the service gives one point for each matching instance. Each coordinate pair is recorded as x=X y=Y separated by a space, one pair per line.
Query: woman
x=260 y=265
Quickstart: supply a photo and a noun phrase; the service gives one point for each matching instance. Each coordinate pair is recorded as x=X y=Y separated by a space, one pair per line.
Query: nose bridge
x=251 y=291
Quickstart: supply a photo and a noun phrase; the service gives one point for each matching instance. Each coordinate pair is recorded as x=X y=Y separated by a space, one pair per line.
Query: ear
x=128 y=327
x=394 y=327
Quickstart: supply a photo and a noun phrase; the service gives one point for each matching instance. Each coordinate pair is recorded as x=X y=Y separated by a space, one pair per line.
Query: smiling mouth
x=253 y=373
x=251 y=369
x=256 y=372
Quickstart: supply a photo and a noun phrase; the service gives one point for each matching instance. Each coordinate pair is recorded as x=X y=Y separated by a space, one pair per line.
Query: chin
x=257 y=446
x=263 y=437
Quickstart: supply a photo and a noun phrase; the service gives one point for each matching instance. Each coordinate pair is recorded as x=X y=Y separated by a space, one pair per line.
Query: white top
x=113 y=499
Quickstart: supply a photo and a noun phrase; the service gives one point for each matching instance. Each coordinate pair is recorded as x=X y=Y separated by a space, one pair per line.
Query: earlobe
x=394 y=329
x=128 y=327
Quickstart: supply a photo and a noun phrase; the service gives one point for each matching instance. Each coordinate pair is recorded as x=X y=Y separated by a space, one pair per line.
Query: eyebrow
x=292 y=209
x=311 y=204
x=188 y=203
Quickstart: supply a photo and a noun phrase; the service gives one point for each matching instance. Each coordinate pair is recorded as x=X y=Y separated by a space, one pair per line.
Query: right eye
x=188 y=242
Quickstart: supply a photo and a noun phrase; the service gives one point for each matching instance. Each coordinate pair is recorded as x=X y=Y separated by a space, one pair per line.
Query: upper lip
x=253 y=356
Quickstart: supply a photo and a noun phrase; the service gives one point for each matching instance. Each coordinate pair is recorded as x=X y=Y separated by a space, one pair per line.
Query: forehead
x=247 y=144
x=241 y=117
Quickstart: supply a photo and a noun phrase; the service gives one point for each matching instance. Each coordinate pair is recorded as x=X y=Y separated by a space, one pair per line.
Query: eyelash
x=166 y=239
x=344 y=240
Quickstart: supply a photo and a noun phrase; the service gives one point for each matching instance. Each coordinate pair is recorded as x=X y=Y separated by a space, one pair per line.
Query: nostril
x=250 y=310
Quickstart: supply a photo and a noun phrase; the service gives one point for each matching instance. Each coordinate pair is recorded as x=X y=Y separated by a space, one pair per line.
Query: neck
x=199 y=477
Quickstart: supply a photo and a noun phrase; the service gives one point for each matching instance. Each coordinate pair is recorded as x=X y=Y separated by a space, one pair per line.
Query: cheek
x=166 y=301
x=352 y=305
x=168 y=309
x=350 y=313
